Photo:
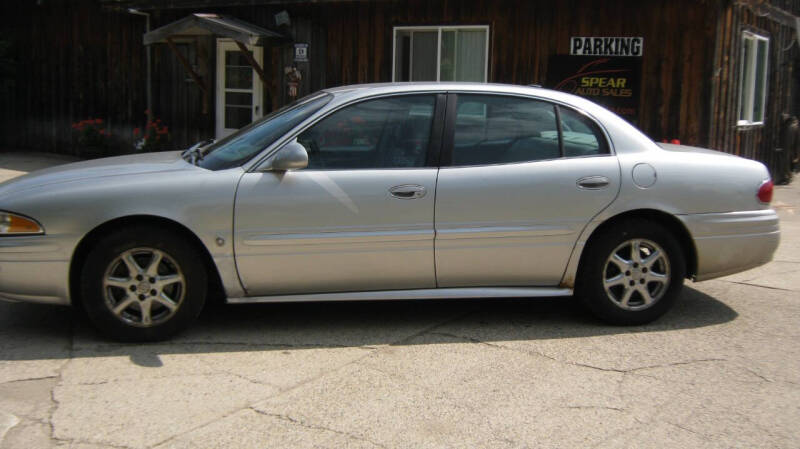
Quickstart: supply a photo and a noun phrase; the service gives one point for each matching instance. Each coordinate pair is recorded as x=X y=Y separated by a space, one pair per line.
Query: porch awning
x=212 y=24
x=241 y=32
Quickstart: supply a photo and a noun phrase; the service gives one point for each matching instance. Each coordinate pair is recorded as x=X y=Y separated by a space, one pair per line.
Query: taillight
x=765 y=192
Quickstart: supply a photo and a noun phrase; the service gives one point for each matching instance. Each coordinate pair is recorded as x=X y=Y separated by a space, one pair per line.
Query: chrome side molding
x=427 y=293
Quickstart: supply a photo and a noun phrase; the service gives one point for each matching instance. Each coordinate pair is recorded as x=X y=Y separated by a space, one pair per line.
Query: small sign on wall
x=606 y=46
x=300 y=52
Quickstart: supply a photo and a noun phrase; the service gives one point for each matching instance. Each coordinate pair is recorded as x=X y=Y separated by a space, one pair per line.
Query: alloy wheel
x=636 y=274
x=143 y=287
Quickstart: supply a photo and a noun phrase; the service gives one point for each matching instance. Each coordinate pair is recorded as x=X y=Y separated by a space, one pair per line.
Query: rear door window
x=491 y=129
x=495 y=129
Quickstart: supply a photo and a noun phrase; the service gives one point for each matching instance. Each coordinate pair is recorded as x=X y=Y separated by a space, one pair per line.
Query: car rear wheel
x=632 y=273
x=143 y=284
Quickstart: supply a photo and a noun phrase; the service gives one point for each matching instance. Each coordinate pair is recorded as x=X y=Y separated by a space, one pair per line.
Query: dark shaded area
x=33 y=332
x=62 y=61
x=67 y=61
x=78 y=59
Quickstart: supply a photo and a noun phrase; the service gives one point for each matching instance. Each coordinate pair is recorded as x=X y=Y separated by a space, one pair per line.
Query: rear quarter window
x=580 y=135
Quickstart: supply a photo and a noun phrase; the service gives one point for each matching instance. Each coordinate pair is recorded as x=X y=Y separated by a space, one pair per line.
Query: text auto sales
x=606 y=46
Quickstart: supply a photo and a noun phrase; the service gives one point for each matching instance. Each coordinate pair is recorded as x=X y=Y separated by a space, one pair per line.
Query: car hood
x=99 y=168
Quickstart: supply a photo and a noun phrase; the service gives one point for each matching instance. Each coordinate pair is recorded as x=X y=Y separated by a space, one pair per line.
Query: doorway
x=239 y=93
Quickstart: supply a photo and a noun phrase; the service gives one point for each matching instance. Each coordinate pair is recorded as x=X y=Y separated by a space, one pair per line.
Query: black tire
x=596 y=268
x=170 y=308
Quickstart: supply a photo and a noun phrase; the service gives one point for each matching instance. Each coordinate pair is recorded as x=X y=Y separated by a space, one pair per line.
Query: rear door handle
x=408 y=191
x=593 y=182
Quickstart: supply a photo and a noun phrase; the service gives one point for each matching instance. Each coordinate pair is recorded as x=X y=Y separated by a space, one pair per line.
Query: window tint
x=384 y=133
x=580 y=135
x=497 y=130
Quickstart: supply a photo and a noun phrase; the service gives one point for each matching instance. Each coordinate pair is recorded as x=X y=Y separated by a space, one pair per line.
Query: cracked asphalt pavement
x=722 y=369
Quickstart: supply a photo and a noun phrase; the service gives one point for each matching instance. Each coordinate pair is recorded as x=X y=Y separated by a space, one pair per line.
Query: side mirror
x=292 y=156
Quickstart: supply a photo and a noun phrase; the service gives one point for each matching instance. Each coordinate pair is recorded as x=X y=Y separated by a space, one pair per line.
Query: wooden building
x=715 y=73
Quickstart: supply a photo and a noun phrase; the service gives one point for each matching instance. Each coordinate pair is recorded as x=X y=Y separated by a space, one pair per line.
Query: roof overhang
x=212 y=25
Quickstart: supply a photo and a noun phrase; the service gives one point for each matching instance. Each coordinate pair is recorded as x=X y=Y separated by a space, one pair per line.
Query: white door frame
x=224 y=45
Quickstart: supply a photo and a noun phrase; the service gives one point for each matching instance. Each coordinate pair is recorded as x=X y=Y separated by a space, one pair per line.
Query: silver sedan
x=395 y=191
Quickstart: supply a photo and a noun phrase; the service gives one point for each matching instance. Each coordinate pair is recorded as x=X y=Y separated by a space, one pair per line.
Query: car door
x=359 y=217
x=520 y=179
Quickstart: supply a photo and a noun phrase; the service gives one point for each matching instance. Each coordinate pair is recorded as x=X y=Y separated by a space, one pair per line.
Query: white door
x=239 y=89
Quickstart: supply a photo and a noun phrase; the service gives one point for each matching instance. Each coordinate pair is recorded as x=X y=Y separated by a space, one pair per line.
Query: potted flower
x=155 y=137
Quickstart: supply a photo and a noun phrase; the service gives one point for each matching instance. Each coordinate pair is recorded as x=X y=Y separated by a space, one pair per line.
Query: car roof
x=355 y=91
x=417 y=86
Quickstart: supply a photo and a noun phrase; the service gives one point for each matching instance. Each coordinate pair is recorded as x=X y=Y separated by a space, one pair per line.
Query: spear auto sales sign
x=606 y=70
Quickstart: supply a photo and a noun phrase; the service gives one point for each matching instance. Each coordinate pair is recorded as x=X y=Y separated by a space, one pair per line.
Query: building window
x=753 y=79
x=458 y=53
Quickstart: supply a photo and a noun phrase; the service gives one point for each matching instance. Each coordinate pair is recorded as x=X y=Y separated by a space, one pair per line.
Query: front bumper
x=33 y=269
x=731 y=242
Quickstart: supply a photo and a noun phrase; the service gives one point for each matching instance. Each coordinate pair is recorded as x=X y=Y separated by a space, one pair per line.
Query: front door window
x=390 y=132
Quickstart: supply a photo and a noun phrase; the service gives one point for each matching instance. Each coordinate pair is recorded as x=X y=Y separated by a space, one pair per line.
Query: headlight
x=13 y=224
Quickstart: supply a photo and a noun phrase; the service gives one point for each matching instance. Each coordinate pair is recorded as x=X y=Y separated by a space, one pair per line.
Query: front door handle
x=408 y=191
x=593 y=182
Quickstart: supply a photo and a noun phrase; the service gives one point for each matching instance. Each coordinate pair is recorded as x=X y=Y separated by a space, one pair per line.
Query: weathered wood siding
x=177 y=100
x=69 y=60
x=351 y=42
x=525 y=33
x=78 y=59
x=759 y=141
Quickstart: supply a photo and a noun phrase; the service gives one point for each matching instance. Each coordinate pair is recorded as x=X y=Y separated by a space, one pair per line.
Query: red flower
x=98 y=121
x=136 y=131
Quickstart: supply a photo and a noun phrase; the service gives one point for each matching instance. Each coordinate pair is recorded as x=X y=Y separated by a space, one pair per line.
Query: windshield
x=245 y=143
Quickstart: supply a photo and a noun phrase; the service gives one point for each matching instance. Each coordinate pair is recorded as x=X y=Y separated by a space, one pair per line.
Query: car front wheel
x=143 y=284
x=632 y=273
